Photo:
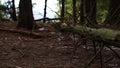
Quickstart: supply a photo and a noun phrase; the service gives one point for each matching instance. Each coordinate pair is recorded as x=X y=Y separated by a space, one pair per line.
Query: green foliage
x=2 y=10
x=102 y=10
x=102 y=33
x=1 y=15
x=68 y=7
x=105 y=34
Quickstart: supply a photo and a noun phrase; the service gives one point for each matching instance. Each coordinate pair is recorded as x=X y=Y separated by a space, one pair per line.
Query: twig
x=101 y=57
x=91 y=60
x=94 y=46
x=113 y=51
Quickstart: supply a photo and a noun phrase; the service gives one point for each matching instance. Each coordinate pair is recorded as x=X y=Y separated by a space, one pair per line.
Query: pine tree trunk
x=14 y=12
x=93 y=11
x=74 y=11
x=62 y=10
x=90 y=12
x=113 y=17
x=45 y=8
x=25 y=14
x=82 y=12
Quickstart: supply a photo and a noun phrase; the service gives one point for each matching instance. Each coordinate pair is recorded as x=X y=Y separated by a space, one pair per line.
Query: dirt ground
x=51 y=50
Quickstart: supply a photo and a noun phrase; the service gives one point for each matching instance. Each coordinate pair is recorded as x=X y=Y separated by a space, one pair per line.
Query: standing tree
x=90 y=12
x=45 y=11
x=63 y=10
x=14 y=12
x=66 y=5
x=93 y=11
x=74 y=11
x=113 y=17
x=25 y=14
x=102 y=10
x=81 y=12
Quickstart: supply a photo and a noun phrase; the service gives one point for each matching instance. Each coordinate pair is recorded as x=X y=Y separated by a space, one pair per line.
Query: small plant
x=2 y=11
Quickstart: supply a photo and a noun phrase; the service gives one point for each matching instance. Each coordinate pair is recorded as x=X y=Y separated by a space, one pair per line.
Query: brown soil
x=51 y=50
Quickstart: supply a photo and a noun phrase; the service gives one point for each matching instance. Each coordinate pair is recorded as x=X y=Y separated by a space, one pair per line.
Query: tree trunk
x=14 y=12
x=62 y=10
x=25 y=14
x=74 y=12
x=93 y=11
x=45 y=11
x=101 y=34
x=87 y=8
x=113 y=17
x=90 y=12
x=82 y=12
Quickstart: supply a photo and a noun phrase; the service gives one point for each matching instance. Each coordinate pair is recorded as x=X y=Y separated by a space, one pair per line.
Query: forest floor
x=49 y=49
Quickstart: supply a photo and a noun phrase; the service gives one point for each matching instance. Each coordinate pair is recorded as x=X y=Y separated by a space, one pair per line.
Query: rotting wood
x=108 y=36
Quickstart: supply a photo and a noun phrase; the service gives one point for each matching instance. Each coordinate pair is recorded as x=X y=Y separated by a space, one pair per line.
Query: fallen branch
x=25 y=33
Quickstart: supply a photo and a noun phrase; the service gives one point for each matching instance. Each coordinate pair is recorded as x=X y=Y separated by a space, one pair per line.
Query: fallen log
x=101 y=33
x=106 y=35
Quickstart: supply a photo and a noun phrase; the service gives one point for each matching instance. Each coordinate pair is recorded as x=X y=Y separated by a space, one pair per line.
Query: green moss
x=103 y=33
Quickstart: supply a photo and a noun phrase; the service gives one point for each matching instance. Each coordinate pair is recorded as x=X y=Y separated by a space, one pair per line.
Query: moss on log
x=102 y=34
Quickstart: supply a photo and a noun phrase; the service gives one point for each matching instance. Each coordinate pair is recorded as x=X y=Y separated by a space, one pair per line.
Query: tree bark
x=74 y=12
x=62 y=10
x=25 y=14
x=113 y=17
x=45 y=11
x=82 y=12
x=102 y=34
x=90 y=12
x=14 y=12
x=93 y=11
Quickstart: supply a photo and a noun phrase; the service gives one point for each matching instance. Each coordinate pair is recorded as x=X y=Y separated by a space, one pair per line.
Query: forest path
x=51 y=50
x=24 y=51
